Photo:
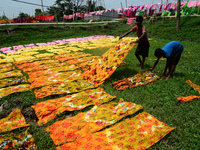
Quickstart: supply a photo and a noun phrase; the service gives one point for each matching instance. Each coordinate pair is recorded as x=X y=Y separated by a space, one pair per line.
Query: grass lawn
x=158 y=99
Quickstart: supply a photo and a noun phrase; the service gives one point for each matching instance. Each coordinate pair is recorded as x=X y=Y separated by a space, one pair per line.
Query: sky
x=13 y=8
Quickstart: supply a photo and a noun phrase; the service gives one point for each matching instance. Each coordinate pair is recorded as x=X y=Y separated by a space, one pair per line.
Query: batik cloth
x=13 y=73
x=63 y=88
x=21 y=141
x=81 y=60
x=141 y=78
x=104 y=67
x=12 y=81
x=48 y=110
x=99 y=117
x=6 y=67
x=138 y=133
x=192 y=97
x=13 y=121
x=14 y=89
x=55 y=78
x=70 y=56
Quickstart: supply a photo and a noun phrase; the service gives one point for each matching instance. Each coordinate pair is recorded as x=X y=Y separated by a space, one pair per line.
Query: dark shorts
x=175 y=59
x=142 y=49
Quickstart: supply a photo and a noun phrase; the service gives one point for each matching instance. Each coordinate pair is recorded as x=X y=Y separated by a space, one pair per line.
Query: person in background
x=172 y=51
x=143 y=42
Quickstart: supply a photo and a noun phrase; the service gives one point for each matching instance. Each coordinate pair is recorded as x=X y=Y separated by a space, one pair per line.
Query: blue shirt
x=171 y=49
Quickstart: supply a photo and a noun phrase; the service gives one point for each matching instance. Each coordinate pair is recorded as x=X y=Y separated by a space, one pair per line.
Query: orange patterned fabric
x=47 y=110
x=70 y=56
x=187 y=98
x=99 y=117
x=14 y=89
x=192 y=97
x=53 y=78
x=21 y=141
x=63 y=88
x=138 y=133
x=13 y=121
x=142 y=78
x=81 y=60
x=104 y=67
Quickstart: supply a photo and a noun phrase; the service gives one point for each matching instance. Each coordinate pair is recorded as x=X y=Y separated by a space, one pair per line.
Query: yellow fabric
x=13 y=73
x=12 y=81
x=63 y=88
x=13 y=121
x=99 y=117
x=104 y=67
x=19 y=141
x=6 y=67
x=138 y=133
x=47 y=110
x=14 y=89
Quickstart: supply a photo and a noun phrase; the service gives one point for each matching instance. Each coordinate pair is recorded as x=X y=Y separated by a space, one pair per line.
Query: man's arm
x=124 y=34
x=156 y=62
x=143 y=34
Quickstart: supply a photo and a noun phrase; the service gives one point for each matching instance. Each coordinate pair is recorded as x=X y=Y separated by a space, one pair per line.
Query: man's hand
x=120 y=37
x=137 y=41
x=150 y=69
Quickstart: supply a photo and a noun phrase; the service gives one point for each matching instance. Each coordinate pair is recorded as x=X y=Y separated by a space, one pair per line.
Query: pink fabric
x=130 y=21
x=5 y=49
x=193 y=4
x=18 y=47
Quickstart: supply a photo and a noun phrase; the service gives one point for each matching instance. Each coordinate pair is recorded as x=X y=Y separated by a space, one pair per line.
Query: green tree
x=23 y=15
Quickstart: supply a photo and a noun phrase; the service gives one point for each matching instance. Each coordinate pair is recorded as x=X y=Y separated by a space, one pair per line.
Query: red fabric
x=45 y=18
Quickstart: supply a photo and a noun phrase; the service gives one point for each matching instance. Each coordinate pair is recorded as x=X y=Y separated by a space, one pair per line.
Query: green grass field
x=158 y=99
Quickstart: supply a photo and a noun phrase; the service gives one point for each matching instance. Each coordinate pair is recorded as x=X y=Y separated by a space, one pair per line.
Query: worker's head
x=159 y=52
x=139 y=20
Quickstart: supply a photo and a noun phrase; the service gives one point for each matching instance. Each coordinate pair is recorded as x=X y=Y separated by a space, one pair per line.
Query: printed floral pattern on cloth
x=13 y=121
x=14 y=89
x=47 y=110
x=64 y=88
x=99 y=117
x=142 y=78
x=138 y=133
x=12 y=81
x=53 y=78
x=192 y=97
x=21 y=141
x=12 y=73
x=104 y=67
x=6 y=67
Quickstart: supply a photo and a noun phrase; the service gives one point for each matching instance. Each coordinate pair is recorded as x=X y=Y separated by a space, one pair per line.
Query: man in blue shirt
x=172 y=51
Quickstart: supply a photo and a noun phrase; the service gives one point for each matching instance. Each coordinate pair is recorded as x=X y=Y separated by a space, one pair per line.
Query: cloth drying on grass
x=81 y=60
x=48 y=110
x=54 y=78
x=13 y=121
x=14 y=89
x=64 y=88
x=12 y=81
x=70 y=56
x=104 y=67
x=6 y=67
x=192 y=97
x=13 y=73
x=21 y=141
x=99 y=117
x=138 y=133
x=142 y=78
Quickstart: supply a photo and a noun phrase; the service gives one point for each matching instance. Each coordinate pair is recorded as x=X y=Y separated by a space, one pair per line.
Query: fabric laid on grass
x=48 y=110
x=64 y=88
x=104 y=67
x=55 y=78
x=6 y=67
x=13 y=121
x=141 y=78
x=13 y=73
x=99 y=117
x=138 y=133
x=81 y=60
x=21 y=141
x=14 y=89
x=192 y=97
x=70 y=56
x=12 y=81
